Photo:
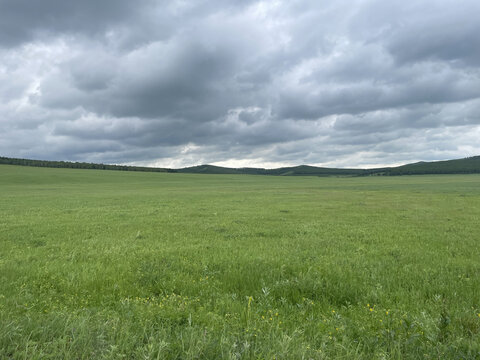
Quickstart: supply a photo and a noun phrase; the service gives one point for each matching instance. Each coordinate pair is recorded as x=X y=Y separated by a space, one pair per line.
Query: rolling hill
x=470 y=165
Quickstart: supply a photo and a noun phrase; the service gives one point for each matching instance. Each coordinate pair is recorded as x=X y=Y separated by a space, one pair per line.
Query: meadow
x=123 y=265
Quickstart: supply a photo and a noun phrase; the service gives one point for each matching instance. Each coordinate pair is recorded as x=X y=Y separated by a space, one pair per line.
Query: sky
x=338 y=83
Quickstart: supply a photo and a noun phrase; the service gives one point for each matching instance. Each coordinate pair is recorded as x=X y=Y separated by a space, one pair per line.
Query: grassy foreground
x=111 y=265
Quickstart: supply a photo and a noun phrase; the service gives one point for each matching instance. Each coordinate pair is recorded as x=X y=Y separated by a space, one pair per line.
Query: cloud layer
x=250 y=83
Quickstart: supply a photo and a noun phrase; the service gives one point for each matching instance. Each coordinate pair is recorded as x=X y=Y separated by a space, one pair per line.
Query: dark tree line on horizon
x=77 y=165
x=470 y=165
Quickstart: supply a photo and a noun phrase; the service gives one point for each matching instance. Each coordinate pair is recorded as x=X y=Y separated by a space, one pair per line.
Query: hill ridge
x=468 y=165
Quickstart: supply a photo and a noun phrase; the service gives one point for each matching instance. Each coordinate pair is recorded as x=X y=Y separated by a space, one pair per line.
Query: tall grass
x=110 y=265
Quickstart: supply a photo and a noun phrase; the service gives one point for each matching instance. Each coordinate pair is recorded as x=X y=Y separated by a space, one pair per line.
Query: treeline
x=302 y=170
x=470 y=165
x=78 y=165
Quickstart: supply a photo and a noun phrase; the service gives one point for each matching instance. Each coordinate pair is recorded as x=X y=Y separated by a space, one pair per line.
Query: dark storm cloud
x=425 y=30
x=175 y=83
x=24 y=20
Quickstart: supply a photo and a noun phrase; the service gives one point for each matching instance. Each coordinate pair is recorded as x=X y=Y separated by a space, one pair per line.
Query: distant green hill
x=305 y=170
x=469 y=165
x=209 y=169
x=302 y=170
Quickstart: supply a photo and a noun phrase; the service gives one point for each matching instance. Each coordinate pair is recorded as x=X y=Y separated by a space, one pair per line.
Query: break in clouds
x=240 y=83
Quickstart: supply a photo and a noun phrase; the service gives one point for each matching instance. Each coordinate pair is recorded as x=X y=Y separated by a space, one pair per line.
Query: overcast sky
x=240 y=83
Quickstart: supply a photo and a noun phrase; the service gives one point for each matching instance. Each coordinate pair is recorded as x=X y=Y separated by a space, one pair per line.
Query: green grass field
x=122 y=265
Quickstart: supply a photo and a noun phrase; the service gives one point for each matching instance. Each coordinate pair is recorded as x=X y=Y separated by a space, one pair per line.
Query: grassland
x=111 y=265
